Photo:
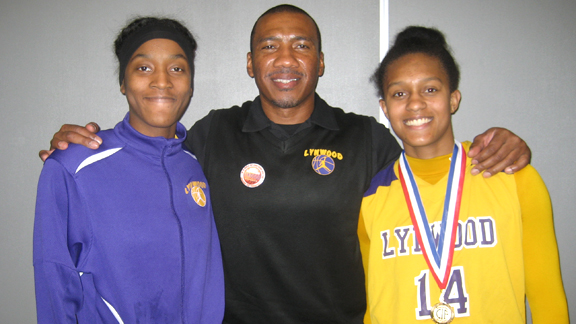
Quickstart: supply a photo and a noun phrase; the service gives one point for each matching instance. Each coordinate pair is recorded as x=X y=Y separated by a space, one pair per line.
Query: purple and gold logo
x=323 y=164
x=194 y=189
x=323 y=161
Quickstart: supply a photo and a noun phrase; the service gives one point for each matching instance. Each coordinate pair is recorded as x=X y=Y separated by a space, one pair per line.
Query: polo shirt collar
x=323 y=116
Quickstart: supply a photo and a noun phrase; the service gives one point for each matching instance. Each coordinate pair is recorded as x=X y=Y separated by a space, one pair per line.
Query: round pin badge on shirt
x=252 y=175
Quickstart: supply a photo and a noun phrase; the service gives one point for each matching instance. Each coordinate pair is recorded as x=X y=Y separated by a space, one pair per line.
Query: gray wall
x=57 y=66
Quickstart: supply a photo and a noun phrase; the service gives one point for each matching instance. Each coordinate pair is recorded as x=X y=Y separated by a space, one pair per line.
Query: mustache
x=285 y=71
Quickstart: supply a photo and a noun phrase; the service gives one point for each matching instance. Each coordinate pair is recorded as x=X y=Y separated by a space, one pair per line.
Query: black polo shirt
x=384 y=144
x=289 y=242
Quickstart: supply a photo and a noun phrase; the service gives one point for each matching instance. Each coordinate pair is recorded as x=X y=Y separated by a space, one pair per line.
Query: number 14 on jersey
x=455 y=294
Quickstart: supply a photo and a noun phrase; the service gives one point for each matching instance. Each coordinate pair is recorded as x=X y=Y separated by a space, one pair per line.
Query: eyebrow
x=275 y=38
x=146 y=56
x=427 y=79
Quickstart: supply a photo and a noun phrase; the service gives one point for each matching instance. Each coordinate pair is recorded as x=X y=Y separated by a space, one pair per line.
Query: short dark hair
x=285 y=8
x=132 y=35
x=417 y=39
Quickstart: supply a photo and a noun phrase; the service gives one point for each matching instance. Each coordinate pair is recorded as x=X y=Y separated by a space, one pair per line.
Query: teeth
x=418 y=122
x=284 y=80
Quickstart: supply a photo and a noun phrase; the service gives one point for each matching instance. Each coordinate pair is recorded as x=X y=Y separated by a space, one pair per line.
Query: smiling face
x=285 y=61
x=158 y=87
x=419 y=104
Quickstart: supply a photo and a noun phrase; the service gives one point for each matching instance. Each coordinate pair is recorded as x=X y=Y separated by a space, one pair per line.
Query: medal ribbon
x=438 y=257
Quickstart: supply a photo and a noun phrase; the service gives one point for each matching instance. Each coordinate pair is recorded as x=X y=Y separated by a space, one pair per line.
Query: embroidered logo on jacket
x=323 y=161
x=252 y=175
x=194 y=189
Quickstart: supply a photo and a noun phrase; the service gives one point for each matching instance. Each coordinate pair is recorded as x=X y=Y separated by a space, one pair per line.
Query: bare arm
x=498 y=149
x=73 y=134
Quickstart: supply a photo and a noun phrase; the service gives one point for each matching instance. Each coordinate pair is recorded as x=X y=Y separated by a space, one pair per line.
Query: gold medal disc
x=442 y=313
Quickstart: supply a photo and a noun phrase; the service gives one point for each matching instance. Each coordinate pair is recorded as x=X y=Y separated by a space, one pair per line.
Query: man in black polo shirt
x=287 y=173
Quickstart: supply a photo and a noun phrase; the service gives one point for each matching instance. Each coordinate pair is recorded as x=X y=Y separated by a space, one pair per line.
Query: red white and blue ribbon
x=438 y=256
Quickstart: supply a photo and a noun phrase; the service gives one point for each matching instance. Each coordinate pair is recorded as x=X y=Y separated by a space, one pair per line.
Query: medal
x=439 y=255
x=442 y=313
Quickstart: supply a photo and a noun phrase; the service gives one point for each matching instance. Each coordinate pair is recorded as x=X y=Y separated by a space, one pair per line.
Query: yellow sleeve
x=365 y=251
x=544 y=288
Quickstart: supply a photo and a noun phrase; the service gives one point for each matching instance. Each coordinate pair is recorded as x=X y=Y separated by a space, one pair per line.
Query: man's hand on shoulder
x=73 y=134
x=498 y=149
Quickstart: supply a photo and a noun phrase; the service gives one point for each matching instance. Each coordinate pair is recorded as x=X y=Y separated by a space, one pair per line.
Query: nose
x=161 y=80
x=285 y=57
x=415 y=103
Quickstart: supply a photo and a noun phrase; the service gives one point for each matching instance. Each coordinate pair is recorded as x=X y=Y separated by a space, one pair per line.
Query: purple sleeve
x=57 y=283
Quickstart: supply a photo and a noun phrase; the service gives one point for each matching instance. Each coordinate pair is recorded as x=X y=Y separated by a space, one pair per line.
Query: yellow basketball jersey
x=486 y=283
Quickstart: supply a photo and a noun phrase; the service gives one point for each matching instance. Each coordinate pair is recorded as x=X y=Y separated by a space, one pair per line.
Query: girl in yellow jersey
x=438 y=244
